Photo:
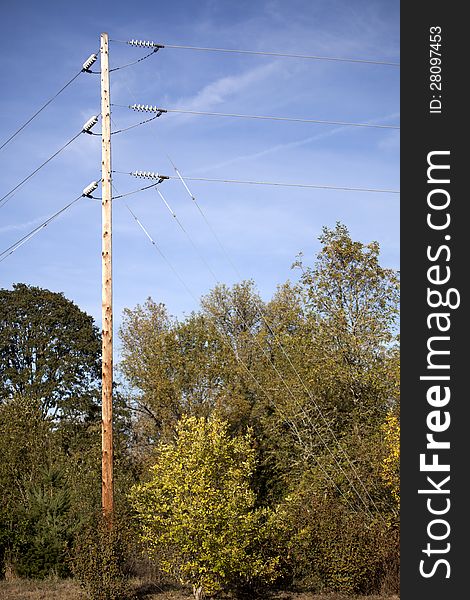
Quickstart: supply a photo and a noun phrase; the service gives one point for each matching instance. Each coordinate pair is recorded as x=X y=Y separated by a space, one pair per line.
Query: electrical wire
x=195 y=248
x=134 y=62
x=276 y=370
x=277 y=54
x=147 y=187
x=40 y=110
x=300 y=185
x=8 y=251
x=283 y=184
x=239 y=360
x=4 y=199
x=274 y=118
x=216 y=237
x=125 y=128
x=181 y=280
x=280 y=345
x=135 y=125
x=5 y=253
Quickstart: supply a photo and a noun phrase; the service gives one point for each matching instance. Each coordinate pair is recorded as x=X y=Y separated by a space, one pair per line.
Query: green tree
x=49 y=427
x=36 y=520
x=201 y=365
x=49 y=351
x=314 y=373
x=197 y=512
x=353 y=302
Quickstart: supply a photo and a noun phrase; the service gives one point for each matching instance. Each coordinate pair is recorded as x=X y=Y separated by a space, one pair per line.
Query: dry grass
x=68 y=590
x=19 y=589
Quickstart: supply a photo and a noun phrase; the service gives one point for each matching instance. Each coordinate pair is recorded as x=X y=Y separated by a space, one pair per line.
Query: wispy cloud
x=289 y=145
x=22 y=226
x=218 y=91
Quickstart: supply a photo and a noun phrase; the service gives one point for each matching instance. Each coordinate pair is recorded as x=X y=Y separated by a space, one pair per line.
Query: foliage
x=329 y=548
x=391 y=462
x=311 y=493
x=49 y=352
x=25 y=441
x=353 y=302
x=197 y=512
x=192 y=367
x=50 y=438
x=49 y=525
x=99 y=559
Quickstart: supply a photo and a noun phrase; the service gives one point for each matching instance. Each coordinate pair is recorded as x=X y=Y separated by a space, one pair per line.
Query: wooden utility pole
x=107 y=289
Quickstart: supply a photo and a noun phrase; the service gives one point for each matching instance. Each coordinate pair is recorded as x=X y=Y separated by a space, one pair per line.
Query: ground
x=69 y=590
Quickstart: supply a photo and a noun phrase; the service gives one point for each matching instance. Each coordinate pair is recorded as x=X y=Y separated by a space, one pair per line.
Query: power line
x=286 y=184
x=135 y=125
x=273 y=118
x=280 y=345
x=147 y=108
x=216 y=237
x=8 y=251
x=276 y=370
x=280 y=183
x=262 y=53
x=134 y=62
x=147 y=187
x=224 y=339
x=174 y=215
x=40 y=110
x=8 y=195
x=154 y=244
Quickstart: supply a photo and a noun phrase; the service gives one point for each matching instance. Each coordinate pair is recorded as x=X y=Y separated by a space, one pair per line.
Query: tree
x=353 y=301
x=36 y=517
x=351 y=304
x=49 y=393
x=197 y=512
x=49 y=351
x=314 y=373
x=50 y=430
x=197 y=366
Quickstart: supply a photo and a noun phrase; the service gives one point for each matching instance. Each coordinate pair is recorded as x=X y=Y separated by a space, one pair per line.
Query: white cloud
x=296 y=144
x=21 y=226
x=220 y=90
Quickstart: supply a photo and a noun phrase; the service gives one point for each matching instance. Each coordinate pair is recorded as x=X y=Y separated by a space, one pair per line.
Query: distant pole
x=107 y=290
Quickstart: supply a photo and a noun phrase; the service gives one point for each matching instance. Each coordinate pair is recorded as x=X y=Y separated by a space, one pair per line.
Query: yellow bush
x=197 y=513
x=391 y=462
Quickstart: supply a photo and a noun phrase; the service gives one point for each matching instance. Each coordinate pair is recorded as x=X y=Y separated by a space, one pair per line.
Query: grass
x=26 y=589
x=20 y=589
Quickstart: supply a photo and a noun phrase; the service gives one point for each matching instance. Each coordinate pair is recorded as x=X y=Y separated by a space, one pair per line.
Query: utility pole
x=107 y=290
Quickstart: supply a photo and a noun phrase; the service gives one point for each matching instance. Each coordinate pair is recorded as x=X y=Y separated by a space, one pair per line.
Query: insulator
x=90 y=124
x=145 y=44
x=149 y=175
x=89 y=61
x=147 y=108
x=90 y=188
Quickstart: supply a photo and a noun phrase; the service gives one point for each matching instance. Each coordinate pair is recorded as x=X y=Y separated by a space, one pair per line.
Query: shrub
x=197 y=513
x=391 y=462
x=99 y=559
x=327 y=547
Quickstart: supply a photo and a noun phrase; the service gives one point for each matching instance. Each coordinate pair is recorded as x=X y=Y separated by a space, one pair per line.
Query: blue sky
x=43 y=44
